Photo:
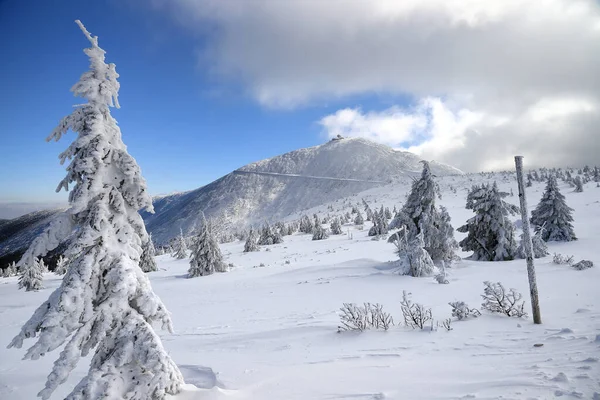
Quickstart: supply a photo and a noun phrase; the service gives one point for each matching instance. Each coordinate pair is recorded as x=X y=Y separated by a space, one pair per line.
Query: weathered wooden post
x=527 y=245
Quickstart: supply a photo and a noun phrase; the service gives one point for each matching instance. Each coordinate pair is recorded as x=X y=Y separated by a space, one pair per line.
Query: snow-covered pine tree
x=105 y=302
x=359 y=220
x=206 y=257
x=251 y=242
x=540 y=249
x=42 y=265
x=180 y=249
x=578 y=184
x=306 y=225
x=318 y=232
x=31 y=276
x=11 y=270
x=552 y=216
x=147 y=261
x=61 y=265
x=420 y=215
x=380 y=225
x=415 y=260
x=388 y=213
x=490 y=231
x=336 y=227
x=269 y=236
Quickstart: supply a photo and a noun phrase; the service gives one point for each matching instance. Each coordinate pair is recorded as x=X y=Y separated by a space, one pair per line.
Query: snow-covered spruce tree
x=540 y=249
x=251 y=242
x=61 y=265
x=578 y=184
x=147 y=261
x=180 y=249
x=380 y=225
x=31 y=276
x=11 y=270
x=552 y=216
x=306 y=225
x=491 y=234
x=420 y=215
x=105 y=303
x=319 y=233
x=42 y=265
x=336 y=227
x=206 y=257
x=359 y=220
x=269 y=236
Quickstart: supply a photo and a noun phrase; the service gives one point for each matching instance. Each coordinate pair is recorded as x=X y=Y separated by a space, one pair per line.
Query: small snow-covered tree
x=578 y=184
x=206 y=257
x=180 y=249
x=306 y=225
x=388 y=213
x=11 y=270
x=359 y=220
x=147 y=261
x=251 y=242
x=31 y=276
x=42 y=265
x=319 y=233
x=540 y=249
x=491 y=234
x=380 y=225
x=61 y=265
x=105 y=303
x=336 y=227
x=269 y=236
x=552 y=216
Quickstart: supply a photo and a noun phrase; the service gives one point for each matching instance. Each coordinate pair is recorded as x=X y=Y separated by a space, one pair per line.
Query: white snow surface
x=271 y=332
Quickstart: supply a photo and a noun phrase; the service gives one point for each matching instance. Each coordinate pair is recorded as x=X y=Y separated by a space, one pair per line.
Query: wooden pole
x=528 y=246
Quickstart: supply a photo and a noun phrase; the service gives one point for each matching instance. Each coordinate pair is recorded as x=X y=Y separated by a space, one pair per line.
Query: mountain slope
x=276 y=187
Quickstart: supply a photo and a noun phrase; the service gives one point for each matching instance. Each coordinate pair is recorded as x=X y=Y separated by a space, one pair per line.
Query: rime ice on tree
x=105 y=303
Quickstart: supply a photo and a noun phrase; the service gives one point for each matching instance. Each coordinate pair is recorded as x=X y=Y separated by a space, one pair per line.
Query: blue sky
x=184 y=127
x=208 y=86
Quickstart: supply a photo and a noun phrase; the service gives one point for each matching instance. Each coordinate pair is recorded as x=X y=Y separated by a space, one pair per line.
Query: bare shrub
x=367 y=316
x=560 y=259
x=497 y=300
x=415 y=315
x=461 y=310
x=447 y=324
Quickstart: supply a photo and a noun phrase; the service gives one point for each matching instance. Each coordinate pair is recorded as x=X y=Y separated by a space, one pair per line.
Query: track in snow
x=241 y=172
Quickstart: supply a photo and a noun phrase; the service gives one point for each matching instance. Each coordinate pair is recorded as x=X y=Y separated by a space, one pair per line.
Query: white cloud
x=496 y=64
x=546 y=133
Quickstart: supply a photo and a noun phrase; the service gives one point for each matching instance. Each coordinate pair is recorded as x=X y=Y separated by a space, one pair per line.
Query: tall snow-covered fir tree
x=553 y=216
x=105 y=303
x=31 y=276
x=206 y=257
x=420 y=215
x=147 y=261
x=491 y=234
x=251 y=242
x=180 y=249
x=359 y=220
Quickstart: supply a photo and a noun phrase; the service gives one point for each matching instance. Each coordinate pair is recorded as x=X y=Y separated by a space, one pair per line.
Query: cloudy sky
x=210 y=85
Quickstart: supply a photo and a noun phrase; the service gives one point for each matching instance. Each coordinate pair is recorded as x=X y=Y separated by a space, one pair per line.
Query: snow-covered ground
x=268 y=327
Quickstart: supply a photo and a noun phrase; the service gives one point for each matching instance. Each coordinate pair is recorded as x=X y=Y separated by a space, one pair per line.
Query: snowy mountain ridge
x=271 y=189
